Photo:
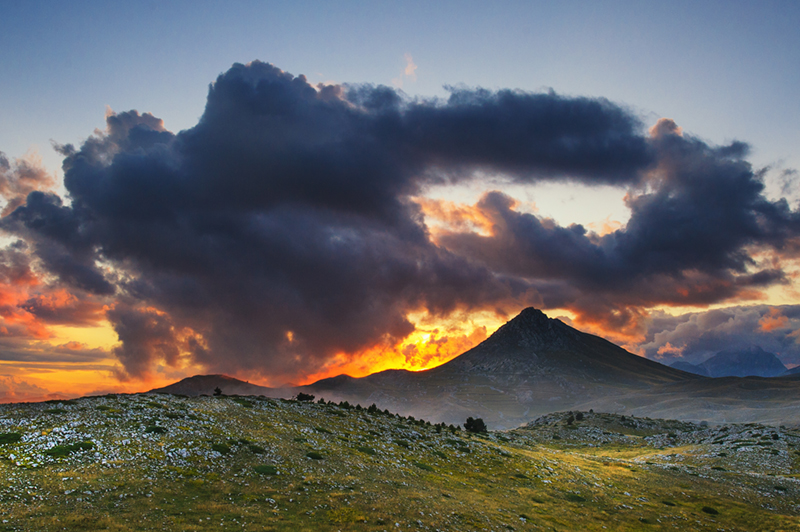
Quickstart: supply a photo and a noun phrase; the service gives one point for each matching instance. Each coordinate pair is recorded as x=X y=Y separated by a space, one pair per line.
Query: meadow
x=162 y=462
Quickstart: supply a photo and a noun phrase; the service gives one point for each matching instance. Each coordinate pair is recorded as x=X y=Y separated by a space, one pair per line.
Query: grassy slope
x=377 y=472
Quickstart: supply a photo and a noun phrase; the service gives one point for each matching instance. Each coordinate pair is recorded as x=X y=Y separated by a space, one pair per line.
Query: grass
x=280 y=473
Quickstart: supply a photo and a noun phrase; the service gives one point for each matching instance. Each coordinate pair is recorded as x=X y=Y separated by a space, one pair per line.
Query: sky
x=288 y=192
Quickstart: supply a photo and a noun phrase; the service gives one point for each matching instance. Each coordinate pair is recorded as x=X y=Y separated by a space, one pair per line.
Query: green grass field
x=229 y=463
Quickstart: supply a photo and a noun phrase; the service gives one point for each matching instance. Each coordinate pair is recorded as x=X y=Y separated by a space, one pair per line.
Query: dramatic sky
x=287 y=193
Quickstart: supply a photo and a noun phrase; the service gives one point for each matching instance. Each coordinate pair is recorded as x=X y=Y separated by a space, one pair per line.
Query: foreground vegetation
x=143 y=462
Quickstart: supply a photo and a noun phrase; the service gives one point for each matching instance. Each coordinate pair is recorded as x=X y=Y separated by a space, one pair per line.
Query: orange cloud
x=20 y=178
x=670 y=349
x=446 y=216
x=773 y=320
x=605 y=226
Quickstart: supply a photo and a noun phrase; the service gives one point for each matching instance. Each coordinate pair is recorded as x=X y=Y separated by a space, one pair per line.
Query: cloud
x=20 y=178
x=698 y=335
x=409 y=72
x=13 y=390
x=698 y=219
x=288 y=227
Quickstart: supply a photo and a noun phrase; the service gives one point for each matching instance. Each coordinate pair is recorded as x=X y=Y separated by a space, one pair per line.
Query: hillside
x=144 y=462
x=207 y=384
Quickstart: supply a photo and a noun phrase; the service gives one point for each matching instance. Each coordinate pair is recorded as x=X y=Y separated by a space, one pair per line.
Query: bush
x=304 y=397
x=10 y=437
x=367 y=450
x=155 y=429
x=579 y=416
x=424 y=467
x=314 y=455
x=475 y=425
x=709 y=510
x=255 y=449
x=221 y=448
x=63 y=450
x=266 y=469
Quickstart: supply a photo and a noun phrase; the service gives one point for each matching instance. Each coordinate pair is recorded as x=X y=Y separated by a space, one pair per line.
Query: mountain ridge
x=535 y=365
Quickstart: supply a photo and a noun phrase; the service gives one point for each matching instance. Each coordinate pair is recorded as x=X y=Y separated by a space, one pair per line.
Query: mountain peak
x=532 y=329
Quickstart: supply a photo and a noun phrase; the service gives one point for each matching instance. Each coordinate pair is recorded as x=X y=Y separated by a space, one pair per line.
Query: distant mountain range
x=534 y=365
x=752 y=361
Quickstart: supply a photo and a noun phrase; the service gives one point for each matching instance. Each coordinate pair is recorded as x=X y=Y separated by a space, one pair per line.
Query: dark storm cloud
x=280 y=230
x=696 y=222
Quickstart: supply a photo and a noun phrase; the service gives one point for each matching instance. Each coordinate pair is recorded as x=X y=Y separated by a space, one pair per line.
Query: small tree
x=217 y=391
x=579 y=416
x=475 y=425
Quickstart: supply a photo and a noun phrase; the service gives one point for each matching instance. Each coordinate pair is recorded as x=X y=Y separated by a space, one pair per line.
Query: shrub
x=266 y=469
x=304 y=397
x=424 y=467
x=314 y=455
x=10 y=437
x=244 y=402
x=475 y=425
x=579 y=416
x=63 y=450
x=574 y=497
x=367 y=450
x=155 y=429
x=221 y=448
x=709 y=510
x=217 y=391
